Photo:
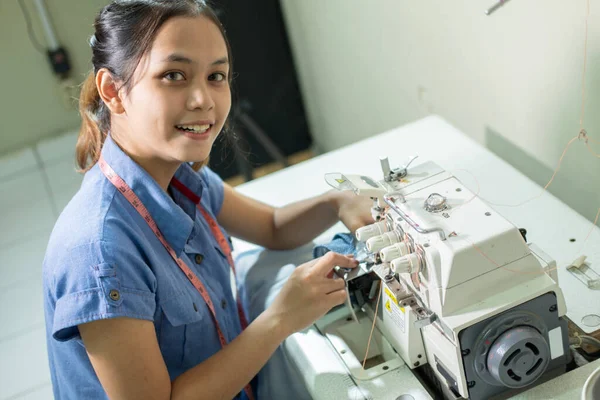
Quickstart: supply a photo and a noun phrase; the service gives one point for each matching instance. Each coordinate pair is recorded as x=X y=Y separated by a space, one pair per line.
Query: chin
x=195 y=158
x=192 y=153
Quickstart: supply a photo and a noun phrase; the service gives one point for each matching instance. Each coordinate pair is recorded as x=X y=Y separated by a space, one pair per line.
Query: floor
x=36 y=183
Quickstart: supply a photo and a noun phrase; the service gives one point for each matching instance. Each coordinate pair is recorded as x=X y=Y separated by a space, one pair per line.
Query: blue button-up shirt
x=103 y=261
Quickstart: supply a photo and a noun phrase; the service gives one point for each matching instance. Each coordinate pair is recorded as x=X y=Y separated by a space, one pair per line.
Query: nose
x=200 y=98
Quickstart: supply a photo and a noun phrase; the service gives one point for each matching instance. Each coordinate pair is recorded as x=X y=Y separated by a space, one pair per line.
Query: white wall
x=512 y=81
x=32 y=104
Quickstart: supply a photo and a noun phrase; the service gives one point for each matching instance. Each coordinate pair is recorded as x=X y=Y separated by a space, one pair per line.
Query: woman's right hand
x=310 y=292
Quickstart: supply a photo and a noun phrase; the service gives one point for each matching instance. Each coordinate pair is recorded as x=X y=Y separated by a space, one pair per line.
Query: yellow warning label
x=390 y=295
x=396 y=313
x=340 y=180
x=391 y=298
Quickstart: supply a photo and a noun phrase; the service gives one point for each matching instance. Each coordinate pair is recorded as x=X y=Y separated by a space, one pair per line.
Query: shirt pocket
x=224 y=263
x=221 y=254
x=184 y=328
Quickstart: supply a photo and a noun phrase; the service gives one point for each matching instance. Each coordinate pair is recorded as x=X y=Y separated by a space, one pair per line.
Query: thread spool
x=394 y=251
x=367 y=232
x=405 y=264
x=375 y=244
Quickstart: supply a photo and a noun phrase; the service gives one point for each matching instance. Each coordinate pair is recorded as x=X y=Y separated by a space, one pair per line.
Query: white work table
x=550 y=223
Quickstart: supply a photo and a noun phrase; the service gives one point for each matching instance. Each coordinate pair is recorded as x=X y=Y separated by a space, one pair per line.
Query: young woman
x=137 y=290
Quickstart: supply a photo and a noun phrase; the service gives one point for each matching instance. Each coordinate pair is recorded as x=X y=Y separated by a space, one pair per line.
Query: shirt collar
x=174 y=218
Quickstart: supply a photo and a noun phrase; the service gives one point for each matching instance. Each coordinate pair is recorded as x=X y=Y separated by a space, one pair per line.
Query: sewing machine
x=459 y=293
x=461 y=270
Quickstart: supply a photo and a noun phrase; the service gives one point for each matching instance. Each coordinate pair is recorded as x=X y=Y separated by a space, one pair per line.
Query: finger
x=331 y=274
x=333 y=285
x=308 y=264
x=326 y=263
x=336 y=298
x=339 y=274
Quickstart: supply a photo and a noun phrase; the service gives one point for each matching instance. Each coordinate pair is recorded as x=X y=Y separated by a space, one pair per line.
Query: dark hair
x=124 y=33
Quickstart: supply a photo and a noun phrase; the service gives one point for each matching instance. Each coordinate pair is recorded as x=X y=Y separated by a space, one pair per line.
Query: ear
x=109 y=93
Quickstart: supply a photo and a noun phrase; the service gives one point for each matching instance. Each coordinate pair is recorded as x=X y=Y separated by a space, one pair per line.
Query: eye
x=217 y=77
x=174 y=76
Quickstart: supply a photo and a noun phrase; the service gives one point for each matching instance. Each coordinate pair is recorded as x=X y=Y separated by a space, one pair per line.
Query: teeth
x=193 y=128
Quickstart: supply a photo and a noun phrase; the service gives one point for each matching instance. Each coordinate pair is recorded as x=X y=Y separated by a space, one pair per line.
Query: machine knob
x=394 y=251
x=435 y=203
x=367 y=232
x=379 y=242
x=404 y=264
x=518 y=357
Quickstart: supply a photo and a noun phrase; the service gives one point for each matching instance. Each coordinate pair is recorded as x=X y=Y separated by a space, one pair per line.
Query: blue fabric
x=100 y=244
x=342 y=243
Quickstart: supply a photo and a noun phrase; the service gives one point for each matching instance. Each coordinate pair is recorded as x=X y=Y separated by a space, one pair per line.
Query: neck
x=161 y=171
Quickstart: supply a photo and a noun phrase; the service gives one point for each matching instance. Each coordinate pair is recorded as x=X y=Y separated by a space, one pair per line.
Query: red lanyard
x=120 y=184
x=218 y=235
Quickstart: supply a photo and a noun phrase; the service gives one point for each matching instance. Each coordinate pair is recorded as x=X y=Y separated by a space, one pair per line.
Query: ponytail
x=95 y=122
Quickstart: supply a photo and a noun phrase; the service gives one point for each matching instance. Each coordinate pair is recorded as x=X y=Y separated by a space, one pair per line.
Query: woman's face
x=180 y=95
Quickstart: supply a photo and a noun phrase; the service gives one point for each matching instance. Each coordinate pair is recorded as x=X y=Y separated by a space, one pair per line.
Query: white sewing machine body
x=461 y=291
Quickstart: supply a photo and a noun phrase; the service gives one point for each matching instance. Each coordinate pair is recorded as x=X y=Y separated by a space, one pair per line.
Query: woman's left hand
x=354 y=211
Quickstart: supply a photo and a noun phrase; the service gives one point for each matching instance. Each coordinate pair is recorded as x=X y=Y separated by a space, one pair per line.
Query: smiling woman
x=138 y=72
x=178 y=101
x=137 y=289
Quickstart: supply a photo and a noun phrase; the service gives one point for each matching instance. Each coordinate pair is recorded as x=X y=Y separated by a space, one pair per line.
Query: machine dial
x=435 y=203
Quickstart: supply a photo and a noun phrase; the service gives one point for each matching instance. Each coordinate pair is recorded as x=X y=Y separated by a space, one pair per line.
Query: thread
x=373 y=326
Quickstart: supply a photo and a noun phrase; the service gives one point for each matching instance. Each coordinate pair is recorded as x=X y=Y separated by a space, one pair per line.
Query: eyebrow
x=221 y=61
x=183 y=59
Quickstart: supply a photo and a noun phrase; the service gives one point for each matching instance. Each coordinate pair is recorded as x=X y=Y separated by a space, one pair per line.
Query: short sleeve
x=101 y=280
x=215 y=187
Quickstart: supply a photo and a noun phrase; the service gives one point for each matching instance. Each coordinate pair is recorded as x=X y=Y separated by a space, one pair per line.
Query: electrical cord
x=36 y=44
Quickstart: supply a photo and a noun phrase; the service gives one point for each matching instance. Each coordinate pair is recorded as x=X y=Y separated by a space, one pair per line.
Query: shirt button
x=115 y=295
x=199 y=258
x=223 y=304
